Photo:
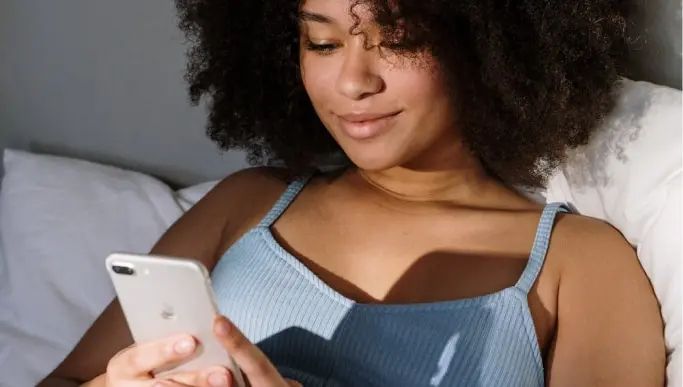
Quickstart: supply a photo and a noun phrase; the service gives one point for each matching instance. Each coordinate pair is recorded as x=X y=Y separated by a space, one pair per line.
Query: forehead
x=340 y=12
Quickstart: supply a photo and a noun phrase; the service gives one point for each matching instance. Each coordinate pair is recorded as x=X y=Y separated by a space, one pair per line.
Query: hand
x=255 y=366
x=133 y=366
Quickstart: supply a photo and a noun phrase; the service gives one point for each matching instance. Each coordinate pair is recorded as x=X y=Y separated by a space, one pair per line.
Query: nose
x=358 y=78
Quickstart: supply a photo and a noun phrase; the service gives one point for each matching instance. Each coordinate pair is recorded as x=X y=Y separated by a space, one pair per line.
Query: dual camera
x=122 y=270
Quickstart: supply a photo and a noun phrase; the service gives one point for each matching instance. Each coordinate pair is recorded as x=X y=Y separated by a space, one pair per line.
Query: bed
x=111 y=154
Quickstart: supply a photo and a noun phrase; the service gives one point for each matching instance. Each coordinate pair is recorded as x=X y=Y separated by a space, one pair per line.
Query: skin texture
x=361 y=83
x=422 y=215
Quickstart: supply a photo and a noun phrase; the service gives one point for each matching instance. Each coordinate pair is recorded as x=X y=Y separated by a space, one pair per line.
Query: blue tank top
x=318 y=337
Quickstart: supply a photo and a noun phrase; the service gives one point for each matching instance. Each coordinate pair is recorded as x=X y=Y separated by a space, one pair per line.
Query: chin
x=376 y=154
x=375 y=161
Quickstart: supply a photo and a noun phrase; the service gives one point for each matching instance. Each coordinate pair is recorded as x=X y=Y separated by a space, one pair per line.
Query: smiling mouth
x=367 y=125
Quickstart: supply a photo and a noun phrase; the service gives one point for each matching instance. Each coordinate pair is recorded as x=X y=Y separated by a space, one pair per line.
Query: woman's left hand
x=255 y=366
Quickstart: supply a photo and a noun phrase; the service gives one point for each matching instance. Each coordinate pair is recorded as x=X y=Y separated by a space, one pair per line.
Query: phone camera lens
x=123 y=270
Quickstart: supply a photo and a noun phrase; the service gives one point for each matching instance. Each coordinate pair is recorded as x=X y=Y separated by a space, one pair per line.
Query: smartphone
x=162 y=297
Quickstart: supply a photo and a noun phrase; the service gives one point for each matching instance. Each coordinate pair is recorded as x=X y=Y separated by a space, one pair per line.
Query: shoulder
x=254 y=183
x=246 y=196
x=581 y=242
x=600 y=271
x=233 y=206
x=607 y=315
x=593 y=252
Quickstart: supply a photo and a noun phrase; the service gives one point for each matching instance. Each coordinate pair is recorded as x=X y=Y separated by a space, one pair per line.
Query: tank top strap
x=540 y=247
x=287 y=197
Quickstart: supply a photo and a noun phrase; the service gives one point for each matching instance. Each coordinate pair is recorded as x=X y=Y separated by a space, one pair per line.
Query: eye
x=326 y=48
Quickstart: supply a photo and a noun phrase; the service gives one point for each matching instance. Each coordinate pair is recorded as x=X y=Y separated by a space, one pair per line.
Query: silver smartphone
x=162 y=297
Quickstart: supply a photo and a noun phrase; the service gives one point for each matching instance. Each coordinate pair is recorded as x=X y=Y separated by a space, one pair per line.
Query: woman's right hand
x=133 y=366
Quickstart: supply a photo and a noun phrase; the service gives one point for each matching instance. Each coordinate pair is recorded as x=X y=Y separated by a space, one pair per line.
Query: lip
x=366 y=125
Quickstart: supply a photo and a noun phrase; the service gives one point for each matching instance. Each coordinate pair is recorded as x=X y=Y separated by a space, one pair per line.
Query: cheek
x=418 y=82
x=419 y=93
x=411 y=87
x=318 y=79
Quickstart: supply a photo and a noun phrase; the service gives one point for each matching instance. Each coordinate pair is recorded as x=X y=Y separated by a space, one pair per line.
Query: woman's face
x=383 y=109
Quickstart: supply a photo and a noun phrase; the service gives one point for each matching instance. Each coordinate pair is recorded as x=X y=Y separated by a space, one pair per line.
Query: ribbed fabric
x=321 y=338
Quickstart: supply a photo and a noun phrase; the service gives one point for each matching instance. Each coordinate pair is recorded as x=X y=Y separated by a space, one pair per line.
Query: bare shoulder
x=581 y=241
x=609 y=329
x=233 y=206
x=249 y=193
x=255 y=185
x=594 y=254
x=245 y=197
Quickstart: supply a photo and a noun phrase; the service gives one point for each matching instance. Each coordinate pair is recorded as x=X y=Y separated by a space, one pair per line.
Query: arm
x=609 y=329
x=203 y=233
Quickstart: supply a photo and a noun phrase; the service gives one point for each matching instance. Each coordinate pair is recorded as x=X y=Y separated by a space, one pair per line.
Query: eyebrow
x=315 y=17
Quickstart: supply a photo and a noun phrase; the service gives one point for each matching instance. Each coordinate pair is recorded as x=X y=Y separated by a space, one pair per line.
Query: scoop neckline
x=292 y=261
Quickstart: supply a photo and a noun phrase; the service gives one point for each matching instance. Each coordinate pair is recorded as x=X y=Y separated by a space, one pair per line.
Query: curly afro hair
x=536 y=77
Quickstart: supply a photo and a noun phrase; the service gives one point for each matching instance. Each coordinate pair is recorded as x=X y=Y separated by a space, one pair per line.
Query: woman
x=416 y=263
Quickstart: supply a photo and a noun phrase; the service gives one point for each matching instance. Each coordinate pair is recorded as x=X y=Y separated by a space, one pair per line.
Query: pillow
x=630 y=176
x=59 y=220
x=187 y=197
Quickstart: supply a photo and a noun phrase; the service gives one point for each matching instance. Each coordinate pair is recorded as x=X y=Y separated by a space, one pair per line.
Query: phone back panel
x=168 y=296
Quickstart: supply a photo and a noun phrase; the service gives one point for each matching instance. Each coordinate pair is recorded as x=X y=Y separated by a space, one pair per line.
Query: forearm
x=108 y=335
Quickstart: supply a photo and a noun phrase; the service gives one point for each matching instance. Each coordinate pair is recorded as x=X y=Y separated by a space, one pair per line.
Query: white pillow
x=59 y=219
x=630 y=176
x=188 y=197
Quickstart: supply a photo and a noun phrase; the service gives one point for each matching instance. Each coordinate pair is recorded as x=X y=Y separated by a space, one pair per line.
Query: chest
x=315 y=335
x=376 y=255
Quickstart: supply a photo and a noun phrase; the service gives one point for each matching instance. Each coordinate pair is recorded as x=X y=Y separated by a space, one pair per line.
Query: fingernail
x=184 y=346
x=218 y=379
x=223 y=327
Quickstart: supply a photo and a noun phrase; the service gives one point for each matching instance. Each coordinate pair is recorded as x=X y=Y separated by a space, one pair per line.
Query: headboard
x=102 y=80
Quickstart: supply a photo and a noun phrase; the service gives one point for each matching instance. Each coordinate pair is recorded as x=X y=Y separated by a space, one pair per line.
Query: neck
x=452 y=175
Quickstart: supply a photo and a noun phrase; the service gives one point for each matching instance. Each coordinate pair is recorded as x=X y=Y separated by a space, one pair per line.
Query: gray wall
x=102 y=79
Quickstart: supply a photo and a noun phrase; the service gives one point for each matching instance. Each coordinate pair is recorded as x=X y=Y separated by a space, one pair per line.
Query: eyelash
x=327 y=49
x=323 y=49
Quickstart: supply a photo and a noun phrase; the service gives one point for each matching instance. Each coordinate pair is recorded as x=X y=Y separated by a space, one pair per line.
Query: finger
x=232 y=382
x=140 y=360
x=210 y=377
x=254 y=364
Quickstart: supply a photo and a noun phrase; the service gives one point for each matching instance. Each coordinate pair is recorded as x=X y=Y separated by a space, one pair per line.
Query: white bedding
x=60 y=219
